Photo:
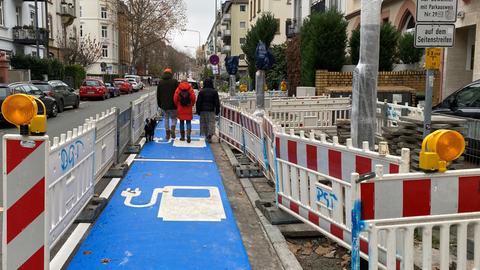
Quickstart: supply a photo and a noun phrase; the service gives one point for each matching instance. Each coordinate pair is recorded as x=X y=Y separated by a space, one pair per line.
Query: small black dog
x=150 y=125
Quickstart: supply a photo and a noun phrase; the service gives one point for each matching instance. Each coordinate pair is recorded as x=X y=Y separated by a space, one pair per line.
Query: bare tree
x=149 y=22
x=84 y=51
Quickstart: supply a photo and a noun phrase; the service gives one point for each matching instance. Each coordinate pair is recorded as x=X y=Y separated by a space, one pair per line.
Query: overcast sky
x=200 y=17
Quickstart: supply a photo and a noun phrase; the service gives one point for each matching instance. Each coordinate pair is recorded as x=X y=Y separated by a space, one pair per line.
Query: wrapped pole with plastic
x=366 y=75
x=263 y=61
x=232 y=69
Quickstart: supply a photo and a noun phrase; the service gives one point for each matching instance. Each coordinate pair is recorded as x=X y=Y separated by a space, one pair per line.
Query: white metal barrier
x=316 y=181
x=105 y=141
x=138 y=119
x=70 y=178
x=400 y=208
x=81 y=156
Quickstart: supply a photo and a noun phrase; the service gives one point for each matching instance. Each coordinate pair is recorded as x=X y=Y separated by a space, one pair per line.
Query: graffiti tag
x=69 y=155
x=326 y=198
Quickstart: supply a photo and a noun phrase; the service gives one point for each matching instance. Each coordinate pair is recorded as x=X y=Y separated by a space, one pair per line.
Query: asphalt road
x=72 y=118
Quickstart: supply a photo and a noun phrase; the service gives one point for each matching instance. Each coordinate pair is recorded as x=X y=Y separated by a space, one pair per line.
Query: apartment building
x=282 y=10
x=63 y=25
x=99 y=20
x=17 y=27
x=234 y=26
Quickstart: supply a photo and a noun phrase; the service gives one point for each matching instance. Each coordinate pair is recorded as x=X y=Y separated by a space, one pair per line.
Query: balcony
x=26 y=35
x=67 y=13
x=226 y=49
x=226 y=18
x=226 y=33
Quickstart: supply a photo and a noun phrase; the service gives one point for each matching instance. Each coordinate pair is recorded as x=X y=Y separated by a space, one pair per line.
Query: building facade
x=63 y=25
x=17 y=27
x=234 y=29
x=124 y=44
x=281 y=10
x=99 y=21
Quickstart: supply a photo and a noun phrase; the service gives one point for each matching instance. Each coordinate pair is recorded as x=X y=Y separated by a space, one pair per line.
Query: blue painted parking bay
x=170 y=211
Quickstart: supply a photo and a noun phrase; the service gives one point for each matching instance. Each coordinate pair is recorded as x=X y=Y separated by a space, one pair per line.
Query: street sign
x=214 y=59
x=433 y=56
x=434 y=35
x=215 y=70
x=437 y=11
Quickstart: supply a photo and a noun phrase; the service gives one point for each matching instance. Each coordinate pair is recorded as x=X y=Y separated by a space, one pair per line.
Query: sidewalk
x=171 y=211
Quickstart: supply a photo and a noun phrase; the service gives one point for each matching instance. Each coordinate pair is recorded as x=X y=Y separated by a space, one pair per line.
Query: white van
x=137 y=78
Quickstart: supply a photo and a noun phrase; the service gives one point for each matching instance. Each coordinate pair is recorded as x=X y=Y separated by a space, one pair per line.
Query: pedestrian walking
x=208 y=107
x=165 y=92
x=184 y=100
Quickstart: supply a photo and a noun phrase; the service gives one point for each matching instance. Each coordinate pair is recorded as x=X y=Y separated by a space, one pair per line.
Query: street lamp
x=196 y=31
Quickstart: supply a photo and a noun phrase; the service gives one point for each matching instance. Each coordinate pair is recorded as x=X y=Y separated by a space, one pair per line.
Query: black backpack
x=185 y=98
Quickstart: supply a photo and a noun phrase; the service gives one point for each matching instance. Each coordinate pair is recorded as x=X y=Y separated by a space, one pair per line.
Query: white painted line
x=130 y=159
x=142 y=142
x=69 y=246
x=174 y=160
x=82 y=103
x=110 y=188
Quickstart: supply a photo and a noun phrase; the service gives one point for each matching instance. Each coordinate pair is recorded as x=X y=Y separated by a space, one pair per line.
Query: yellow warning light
x=439 y=148
x=19 y=109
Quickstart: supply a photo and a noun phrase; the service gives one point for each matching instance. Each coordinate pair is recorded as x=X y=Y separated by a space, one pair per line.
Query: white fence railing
x=314 y=183
x=82 y=156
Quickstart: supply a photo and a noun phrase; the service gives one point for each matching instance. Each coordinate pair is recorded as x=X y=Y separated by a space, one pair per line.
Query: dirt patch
x=319 y=253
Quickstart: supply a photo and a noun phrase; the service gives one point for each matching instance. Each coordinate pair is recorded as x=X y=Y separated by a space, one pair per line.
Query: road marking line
x=107 y=192
x=130 y=159
x=174 y=160
x=82 y=103
x=69 y=246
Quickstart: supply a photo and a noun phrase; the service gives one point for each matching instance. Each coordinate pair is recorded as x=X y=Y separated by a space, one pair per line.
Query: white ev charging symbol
x=183 y=203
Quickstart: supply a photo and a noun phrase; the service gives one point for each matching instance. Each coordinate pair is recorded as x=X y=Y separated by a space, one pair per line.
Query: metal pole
x=37 y=33
x=48 y=29
x=366 y=76
x=232 y=85
x=259 y=85
x=427 y=123
x=215 y=43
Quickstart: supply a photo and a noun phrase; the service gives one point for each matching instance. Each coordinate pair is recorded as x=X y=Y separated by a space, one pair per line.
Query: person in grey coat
x=208 y=106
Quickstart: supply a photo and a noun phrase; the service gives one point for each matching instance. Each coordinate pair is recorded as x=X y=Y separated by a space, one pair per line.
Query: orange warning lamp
x=440 y=148
x=21 y=110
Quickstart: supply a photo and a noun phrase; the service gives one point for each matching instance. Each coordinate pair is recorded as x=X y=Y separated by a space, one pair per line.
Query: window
x=243 y=8
x=468 y=97
x=104 y=31
x=103 y=12
x=243 y=25
x=50 y=26
x=81 y=30
x=81 y=11
x=250 y=8
x=242 y=41
x=241 y=56
x=18 y=15
x=259 y=6
x=105 y=51
x=2 y=13
x=278 y=26
x=32 y=17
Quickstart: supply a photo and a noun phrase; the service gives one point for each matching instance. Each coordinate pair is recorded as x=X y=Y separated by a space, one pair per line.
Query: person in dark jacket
x=165 y=92
x=208 y=106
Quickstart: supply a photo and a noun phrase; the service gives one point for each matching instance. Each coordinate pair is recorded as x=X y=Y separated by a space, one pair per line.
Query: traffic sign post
x=435 y=28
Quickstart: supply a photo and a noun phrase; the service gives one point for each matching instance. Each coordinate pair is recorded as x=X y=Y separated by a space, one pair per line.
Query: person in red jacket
x=184 y=98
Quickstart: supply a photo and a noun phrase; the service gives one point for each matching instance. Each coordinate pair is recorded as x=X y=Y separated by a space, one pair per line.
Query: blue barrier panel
x=166 y=214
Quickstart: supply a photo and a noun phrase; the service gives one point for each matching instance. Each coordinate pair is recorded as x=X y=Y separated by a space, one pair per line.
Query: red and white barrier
x=24 y=195
x=231 y=130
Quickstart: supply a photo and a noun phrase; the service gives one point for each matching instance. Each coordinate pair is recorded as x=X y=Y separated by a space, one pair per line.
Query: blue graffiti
x=70 y=154
x=358 y=225
x=327 y=198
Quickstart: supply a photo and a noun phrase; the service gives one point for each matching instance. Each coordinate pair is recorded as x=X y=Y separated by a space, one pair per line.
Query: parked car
x=137 y=79
x=113 y=90
x=124 y=85
x=464 y=102
x=135 y=85
x=194 y=85
x=93 y=88
x=61 y=92
x=51 y=104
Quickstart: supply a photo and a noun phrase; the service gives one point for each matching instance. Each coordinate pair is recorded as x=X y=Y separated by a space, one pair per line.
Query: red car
x=124 y=85
x=93 y=88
